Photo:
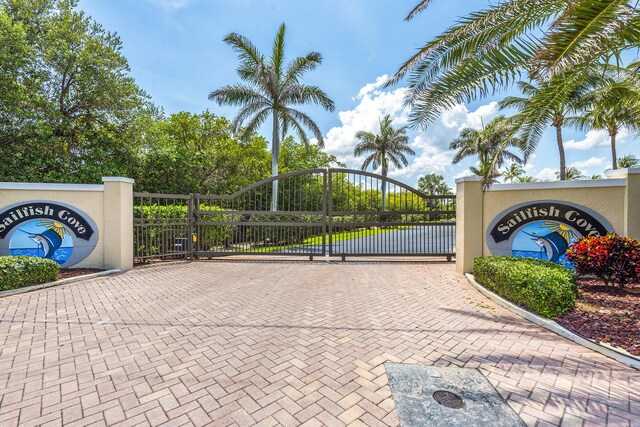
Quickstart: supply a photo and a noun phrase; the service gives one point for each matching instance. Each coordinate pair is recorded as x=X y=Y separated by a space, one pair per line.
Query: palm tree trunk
x=563 y=163
x=384 y=184
x=614 y=159
x=275 y=154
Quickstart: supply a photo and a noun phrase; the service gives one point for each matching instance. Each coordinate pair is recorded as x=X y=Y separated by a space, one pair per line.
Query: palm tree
x=572 y=173
x=489 y=49
x=612 y=105
x=526 y=178
x=433 y=184
x=271 y=88
x=389 y=146
x=530 y=120
x=628 y=161
x=514 y=171
x=491 y=144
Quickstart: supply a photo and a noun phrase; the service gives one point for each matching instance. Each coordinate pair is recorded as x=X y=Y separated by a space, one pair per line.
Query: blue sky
x=177 y=56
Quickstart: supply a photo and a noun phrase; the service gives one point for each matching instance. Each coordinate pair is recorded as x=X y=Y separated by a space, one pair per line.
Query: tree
x=572 y=173
x=492 y=145
x=530 y=120
x=488 y=50
x=526 y=178
x=628 y=161
x=67 y=101
x=433 y=184
x=271 y=88
x=389 y=146
x=613 y=104
x=514 y=171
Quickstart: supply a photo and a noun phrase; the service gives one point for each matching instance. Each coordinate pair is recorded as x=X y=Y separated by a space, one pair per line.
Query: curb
x=604 y=349
x=25 y=289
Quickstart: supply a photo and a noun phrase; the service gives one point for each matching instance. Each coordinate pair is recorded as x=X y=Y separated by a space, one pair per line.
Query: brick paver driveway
x=281 y=343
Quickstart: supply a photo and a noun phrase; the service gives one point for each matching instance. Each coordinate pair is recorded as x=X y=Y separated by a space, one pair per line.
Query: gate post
x=118 y=222
x=469 y=213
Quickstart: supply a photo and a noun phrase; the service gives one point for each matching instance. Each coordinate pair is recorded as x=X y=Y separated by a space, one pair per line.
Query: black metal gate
x=338 y=212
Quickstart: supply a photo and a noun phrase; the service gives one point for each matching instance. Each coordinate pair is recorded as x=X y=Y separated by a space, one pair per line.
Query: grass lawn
x=336 y=237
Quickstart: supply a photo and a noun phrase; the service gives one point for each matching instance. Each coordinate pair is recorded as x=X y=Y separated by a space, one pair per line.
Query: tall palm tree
x=434 y=184
x=271 y=88
x=628 y=161
x=492 y=145
x=530 y=120
x=612 y=105
x=489 y=49
x=514 y=171
x=389 y=146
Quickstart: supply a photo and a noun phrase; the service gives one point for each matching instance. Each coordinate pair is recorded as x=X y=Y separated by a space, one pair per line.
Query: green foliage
x=628 y=161
x=67 y=101
x=492 y=145
x=433 y=184
x=488 y=50
x=543 y=287
x=20 y=271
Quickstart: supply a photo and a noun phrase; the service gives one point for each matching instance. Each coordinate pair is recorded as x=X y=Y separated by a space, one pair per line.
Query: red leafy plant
x=614 y=259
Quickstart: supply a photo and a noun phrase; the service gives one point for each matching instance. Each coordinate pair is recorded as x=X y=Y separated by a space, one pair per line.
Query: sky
x=176 y=54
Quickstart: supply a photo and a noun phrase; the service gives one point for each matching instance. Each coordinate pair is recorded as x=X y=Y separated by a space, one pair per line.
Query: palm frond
x=417 y=9
x=277 y=52
x=583 y=33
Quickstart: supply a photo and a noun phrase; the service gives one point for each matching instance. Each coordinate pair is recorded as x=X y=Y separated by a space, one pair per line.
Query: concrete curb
x=614 y=353
x=25 y=289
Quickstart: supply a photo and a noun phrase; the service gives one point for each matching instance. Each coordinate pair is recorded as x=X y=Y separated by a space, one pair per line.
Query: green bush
x=19 y=271
x=543 y=287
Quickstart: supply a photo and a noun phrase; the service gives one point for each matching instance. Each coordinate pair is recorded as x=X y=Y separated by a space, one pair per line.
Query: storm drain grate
x=447 y=396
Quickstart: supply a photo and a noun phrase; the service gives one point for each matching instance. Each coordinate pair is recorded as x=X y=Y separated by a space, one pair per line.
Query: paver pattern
x=231 y=343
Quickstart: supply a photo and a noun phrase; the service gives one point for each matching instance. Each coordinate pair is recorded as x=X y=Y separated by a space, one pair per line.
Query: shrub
x=19 y=271
x=611 y=258
x=543 y=287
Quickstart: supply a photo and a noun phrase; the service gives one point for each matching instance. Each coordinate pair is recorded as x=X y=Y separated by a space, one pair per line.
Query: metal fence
x=318 y=212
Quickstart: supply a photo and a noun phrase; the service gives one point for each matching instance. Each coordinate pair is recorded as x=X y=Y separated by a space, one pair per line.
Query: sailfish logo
x=554 y=244
x=49 y=240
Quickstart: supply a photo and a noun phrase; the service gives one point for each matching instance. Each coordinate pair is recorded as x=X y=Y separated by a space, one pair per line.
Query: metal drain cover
x=448 y=399
x=429 y=396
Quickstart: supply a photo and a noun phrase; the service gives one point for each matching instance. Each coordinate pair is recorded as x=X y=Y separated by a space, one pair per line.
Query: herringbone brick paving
x=224 y=343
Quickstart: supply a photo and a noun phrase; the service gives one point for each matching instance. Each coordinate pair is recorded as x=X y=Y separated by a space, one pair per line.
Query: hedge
x=546 y=288
x=19 y=271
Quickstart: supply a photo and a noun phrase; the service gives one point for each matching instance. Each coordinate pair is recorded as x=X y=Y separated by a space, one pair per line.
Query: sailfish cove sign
x=47 y=230
x=543 y=230
x=579 y=219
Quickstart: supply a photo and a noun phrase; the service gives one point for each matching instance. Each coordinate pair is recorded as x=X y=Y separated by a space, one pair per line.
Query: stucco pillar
x=631 y=199
x=469 y=233
x=118 y=222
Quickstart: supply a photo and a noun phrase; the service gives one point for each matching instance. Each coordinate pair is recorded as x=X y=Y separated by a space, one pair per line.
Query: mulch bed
x=66 y=273
x=606 y=314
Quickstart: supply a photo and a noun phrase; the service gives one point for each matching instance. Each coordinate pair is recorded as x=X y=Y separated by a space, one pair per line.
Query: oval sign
x=543 y=230
x=47 y=229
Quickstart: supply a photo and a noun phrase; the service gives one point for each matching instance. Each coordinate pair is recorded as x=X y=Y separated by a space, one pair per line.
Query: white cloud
x=431 y=146
x=592 y=162
x=596 y=139
x=547 y=174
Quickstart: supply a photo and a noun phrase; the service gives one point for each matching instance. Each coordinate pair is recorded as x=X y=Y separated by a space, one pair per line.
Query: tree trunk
x=384 y=184
x=275 y=154
x=614 y=158
x=563 y=163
